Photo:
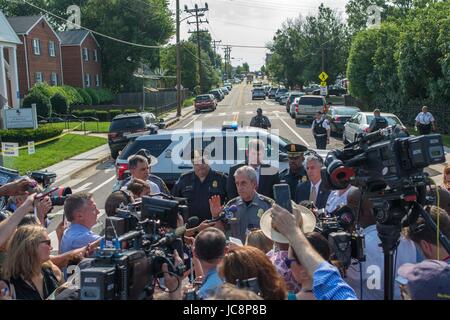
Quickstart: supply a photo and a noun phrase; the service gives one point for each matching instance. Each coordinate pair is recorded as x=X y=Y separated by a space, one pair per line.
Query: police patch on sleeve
x=260 y=213
x=215 y=184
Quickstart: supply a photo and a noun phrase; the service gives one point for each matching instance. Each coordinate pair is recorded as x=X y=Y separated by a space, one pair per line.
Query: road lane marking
x=82 y=188
x=102 y=184
x=195 y=118
x=222 y=114
x=293 y=131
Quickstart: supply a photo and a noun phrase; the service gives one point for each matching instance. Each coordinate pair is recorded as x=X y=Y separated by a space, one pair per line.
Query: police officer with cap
x=378 y=122
x=321 y=131
x=199 y=185
x=260 y=121
x=296 y=172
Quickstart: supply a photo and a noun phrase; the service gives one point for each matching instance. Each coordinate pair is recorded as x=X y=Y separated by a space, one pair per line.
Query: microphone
x=171 y=237
x=225 y=215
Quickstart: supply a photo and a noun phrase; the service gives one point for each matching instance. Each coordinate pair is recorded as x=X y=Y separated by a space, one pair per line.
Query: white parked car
x=360 y=123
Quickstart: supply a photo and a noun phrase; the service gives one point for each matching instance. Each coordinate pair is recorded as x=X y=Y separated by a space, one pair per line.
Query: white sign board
x=31 y=148
x=323 y=91
x=20 y=118
x=10 y=149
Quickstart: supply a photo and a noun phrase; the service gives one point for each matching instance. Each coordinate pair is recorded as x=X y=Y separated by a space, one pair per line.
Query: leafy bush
x=103 y=115
x=72 y=95
x=43 y=104
x=105 y=96
x=59 y=103
x=43 y=88
x=126 y=111
x=114 y=112
x=94 y=96
x=22 y=136
x=87 y=100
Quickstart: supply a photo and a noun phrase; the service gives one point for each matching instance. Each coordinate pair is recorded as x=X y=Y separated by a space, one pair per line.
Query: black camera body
x=128 y=270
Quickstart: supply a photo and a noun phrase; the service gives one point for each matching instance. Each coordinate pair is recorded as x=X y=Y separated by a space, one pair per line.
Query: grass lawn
x=445 y=137
x=103 y=127
x=188 y=102
x=53 y=152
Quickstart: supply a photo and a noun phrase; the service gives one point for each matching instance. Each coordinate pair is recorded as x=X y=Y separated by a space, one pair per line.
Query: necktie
x=313 y=195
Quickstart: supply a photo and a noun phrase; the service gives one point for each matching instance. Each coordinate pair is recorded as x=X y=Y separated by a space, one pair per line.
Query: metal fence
x=157 y=102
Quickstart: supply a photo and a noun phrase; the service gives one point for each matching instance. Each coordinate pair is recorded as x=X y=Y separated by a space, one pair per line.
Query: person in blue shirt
x=81 y=211
x=209 y=249
x=327 y=281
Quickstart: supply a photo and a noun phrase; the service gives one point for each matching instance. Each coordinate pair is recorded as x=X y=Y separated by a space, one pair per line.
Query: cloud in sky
x=251 y=22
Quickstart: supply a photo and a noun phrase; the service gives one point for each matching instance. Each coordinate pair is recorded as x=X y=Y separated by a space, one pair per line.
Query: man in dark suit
x=315 y=189
x=267 y=175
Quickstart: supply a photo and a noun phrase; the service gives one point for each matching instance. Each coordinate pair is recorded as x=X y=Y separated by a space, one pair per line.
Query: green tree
x=246 y=67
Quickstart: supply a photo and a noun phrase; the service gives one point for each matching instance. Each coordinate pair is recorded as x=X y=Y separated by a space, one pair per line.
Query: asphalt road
x=237 y=106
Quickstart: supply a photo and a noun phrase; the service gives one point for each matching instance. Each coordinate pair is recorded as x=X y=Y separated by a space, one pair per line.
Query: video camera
x=140 y=246
x=388 y=167
x=346 y=242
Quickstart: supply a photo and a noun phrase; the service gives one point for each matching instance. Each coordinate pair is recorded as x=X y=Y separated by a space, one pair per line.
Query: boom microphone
x=171 y=237
x=226 y=214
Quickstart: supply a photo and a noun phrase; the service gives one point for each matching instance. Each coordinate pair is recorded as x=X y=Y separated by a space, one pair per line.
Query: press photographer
x=388 y=168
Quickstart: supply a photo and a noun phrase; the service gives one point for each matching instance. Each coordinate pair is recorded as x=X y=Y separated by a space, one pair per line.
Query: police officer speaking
x=321 y=131
x=199 y=185
x=260 y=121
x=296 y=172
x=250 y=205
x=378 y=122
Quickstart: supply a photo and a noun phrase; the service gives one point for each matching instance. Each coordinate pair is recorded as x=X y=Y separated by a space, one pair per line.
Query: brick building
x=81 y=59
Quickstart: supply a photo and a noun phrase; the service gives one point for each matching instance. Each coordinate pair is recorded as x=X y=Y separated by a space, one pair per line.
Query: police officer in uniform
x=260 y=121
x=296 y=172
x=378 y=122
x=321 y=131
x=424 y=121
x=199 y=185
x=250 y=205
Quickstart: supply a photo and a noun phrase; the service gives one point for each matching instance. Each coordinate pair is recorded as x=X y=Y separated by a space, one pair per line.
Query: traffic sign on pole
x=324 y=91
x=323 y=84
x=323 y=76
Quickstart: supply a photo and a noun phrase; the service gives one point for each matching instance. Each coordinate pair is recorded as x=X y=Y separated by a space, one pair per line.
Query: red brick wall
x=21 y=67
x=91 y=67
x=72 y=66
x=44 y=62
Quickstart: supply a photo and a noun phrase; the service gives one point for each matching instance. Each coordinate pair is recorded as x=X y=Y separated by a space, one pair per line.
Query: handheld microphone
x=171 y=237
x=225 y=215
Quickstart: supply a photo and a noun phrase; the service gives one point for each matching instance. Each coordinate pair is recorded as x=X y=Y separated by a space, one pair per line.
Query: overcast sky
x=251 y=22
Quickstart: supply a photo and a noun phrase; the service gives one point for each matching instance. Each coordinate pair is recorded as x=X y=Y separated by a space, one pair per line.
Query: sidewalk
x=67 y=169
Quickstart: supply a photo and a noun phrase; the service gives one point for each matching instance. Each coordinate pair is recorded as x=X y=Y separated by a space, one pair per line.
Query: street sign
x=31 y=148
x=324 y=91
x=10 y=149
x=323 y=76
x=323 y=84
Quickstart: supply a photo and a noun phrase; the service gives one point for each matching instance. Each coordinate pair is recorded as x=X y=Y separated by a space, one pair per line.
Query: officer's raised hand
x=215 y=206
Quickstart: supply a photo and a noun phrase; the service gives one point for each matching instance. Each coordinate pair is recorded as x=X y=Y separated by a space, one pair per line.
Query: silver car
x=360 y=123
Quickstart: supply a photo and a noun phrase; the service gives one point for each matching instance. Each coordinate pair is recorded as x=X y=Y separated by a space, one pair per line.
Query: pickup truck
x=307 y=106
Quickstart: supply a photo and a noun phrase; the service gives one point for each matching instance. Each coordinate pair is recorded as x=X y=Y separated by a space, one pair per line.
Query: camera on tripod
x=345 y=241
x=127 y=268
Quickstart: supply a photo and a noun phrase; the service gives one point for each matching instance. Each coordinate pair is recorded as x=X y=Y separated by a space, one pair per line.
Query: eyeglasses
x=289 y=261
x=47 y=242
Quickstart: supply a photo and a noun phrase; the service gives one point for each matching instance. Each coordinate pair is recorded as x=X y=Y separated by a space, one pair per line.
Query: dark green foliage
x=59 y=103
x=43 y=104
x=22 y=136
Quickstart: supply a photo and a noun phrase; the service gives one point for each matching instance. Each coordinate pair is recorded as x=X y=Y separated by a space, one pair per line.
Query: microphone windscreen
x=192 y=222
x=233 y=208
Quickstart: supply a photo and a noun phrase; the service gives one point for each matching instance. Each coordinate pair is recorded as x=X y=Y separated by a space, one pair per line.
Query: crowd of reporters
x=232 y=258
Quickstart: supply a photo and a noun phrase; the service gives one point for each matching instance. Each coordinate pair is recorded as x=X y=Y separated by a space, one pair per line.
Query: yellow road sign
x=323 y=76
x=323 y=84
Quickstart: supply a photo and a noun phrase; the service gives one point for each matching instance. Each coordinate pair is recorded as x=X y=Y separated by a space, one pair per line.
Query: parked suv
x=126 y=127
x=307 y=106
x=258 y=93
x=169 y=145
x=205 y=101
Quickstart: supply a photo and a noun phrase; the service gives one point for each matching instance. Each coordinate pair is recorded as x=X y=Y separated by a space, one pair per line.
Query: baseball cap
x=427 y=280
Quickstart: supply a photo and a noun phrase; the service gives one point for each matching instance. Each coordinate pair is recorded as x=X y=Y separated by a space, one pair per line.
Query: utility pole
x=227 y=50
x=178 y=61
x=198 y=12
x=215 y=42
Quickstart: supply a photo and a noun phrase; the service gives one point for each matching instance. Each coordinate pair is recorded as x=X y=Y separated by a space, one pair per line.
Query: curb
x=72 y=174
x=175 y=120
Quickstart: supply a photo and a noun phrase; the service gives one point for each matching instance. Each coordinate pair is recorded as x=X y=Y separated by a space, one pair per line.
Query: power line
x=244 y=46
x=93 y=31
